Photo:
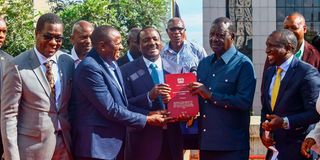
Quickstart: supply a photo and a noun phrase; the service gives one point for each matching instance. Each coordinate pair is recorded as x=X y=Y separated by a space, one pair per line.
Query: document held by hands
x=182 y=102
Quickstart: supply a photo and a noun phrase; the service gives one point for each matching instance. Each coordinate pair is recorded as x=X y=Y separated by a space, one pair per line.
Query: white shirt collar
x=285 y=65
x=74 y=55
x=42 y=59
x=158 y=62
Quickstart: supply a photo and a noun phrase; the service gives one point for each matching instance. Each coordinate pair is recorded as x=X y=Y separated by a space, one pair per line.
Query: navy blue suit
x=99 y=113
x=298 y=93
x=146 y=144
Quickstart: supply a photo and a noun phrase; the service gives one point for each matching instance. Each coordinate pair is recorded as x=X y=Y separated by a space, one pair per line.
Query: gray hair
x=286 y=38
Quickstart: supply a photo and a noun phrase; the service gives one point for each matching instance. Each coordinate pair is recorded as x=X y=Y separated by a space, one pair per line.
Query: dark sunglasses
x=173 y=29
x=49 y=37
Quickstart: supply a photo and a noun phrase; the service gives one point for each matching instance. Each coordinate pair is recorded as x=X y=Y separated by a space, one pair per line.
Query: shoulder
x=310 y=49
x=22 y=57
x=131 y=66
x=64 y=56
x=5 y=55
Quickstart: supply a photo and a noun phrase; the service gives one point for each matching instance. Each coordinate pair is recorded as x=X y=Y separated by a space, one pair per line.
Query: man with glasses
x=179 y=50
x=35 y=97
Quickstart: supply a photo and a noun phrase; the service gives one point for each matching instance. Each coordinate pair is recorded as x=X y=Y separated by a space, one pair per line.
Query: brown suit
x=310 y=55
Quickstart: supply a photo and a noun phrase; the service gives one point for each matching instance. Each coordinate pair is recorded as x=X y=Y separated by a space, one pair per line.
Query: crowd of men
x=84 y=106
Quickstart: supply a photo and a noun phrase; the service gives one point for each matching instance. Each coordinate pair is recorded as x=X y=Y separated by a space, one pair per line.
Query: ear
x=305 y=29
x=233 y=36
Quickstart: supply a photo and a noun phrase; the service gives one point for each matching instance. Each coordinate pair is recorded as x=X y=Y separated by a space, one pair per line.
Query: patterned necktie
x=298 y=54
x=155 y=78
x=50 y=77
x=276 y=87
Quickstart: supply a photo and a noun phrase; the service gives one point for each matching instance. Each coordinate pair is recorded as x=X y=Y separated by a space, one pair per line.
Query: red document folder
x=181 y=99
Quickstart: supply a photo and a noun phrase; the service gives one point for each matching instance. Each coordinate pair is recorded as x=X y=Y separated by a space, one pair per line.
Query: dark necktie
x=50 y=77
x=155 y=78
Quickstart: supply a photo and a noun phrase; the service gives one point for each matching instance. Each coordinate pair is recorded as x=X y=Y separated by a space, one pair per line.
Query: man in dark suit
x=133 y=48
x=290 y=89
x=151 y=143
x=99 y=103
x=295 y=22
x=226 y=85
x=4 y=58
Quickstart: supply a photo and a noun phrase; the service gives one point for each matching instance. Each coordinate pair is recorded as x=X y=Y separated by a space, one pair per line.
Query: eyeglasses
x=173 y=29
x=49 y=37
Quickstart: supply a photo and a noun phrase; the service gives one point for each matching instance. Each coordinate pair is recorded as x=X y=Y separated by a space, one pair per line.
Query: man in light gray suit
x=35 y=98
x=4 y=58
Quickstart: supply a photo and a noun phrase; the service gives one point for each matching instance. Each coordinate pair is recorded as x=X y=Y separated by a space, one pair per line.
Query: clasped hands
x=274 y=122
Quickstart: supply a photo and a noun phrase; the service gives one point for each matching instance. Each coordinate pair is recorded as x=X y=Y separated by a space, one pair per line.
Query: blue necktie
x=155 y=78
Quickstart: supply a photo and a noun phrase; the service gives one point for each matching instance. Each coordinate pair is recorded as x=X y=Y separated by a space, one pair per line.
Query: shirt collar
x=285 y=65
x=226 y=56
x=42 y=59
x=158 y=62
x=74 y=55
x=301 y=48
x=168 y=49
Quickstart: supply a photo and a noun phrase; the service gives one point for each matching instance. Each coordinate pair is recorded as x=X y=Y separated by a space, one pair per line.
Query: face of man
x=49 y=40
x=176 y=32
x=111 y=48
x=3 y=32
x=133 y=45
x=150 y=44
x=220 y=38
x=81 y=39
x=295 y=24
x=276 y=52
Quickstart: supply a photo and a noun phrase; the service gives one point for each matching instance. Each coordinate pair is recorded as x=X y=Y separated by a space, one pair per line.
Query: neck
x=176 y=47
x=135 y=55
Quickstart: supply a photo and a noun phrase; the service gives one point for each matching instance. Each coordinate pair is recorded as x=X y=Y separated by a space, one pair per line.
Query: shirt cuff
x=286 y=122
x=149 y=100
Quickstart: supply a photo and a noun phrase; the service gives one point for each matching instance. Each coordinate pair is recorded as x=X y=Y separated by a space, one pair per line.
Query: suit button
x=213 y=75
x=225 y=106
x=204 y=130
x=215 y=102
x=209 y=88
x=226 y=80
x=205 y=101
x=204 y=116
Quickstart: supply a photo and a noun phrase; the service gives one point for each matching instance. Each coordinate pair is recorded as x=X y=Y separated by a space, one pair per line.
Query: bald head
x=102 y=34
x=81 y=25
x=3 y=31
x=295 y=22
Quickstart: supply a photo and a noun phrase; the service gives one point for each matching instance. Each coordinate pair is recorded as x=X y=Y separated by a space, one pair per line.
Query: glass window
x=308 y=14
x=288 y=11
x=298 y=3
x=316 y=14
x=316 y=3
x=281 y=14
x=281 y=3
x=289 y=3
x=308 y=3
x=279 y=25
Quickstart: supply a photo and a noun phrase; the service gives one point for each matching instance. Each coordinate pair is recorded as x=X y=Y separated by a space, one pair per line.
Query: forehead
x=221 y=27
x=176 y=23
x=293 y=20
x=148 y=33
x=55 y=28
x=2 y=23
x=274 y=38
x=115 y=36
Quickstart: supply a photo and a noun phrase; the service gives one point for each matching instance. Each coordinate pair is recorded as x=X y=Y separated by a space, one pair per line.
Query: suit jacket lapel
x=284 y=82
x=36 y=68
x=107 y=72
x=146 y=77
x=63 y=78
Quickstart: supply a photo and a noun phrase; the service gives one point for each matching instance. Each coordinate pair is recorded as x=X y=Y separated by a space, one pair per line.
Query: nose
x=121 y=47
x=2 y=34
